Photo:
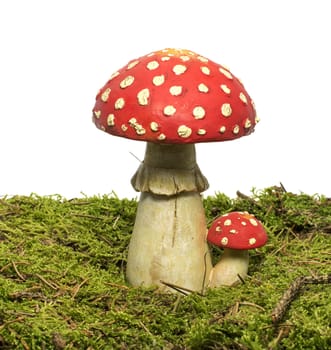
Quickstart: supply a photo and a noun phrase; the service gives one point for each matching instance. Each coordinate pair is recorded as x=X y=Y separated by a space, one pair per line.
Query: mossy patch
x=62 y=279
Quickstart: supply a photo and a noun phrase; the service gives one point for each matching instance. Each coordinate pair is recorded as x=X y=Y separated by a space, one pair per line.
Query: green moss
x=62 y=283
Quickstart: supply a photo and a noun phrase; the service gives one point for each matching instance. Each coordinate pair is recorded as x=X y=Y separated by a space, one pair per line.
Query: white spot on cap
x=175 y=90
x=203 y=88
x=127 y=81
x=202 y=59
x=205 y=70
x=247 y=124
x=252 y=241
x=165 y=58
x=218 y=229
x=161 y=137
x=114 y=75
x=97 y=114
x=236 y=129
x=124 y=127
x=169 y=110
x=233 y=231
x=119 y=103
x=154 y=126
x=225 y=89
x=132 y=64
x=201 y=132
x=152 y=65
x=226 y=73
x=105 y=95
x=138 y=127
x=244 y=223
x=198 y=112
x=227 y=222
x=184 y=131
x=253 y=222
x=111 y=120
x=222 y=129
x=226 y=109
x=179 y=69
x=224 y=241
x=158 y=80
x=143 y=96
x=185 y=58
x=140 y=130
x=243 y=98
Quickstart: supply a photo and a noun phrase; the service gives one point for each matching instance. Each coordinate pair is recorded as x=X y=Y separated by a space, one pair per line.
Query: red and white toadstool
x=236 y=232
x=172 y=99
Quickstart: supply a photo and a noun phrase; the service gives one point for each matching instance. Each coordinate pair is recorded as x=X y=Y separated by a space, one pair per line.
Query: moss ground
x=62 y=282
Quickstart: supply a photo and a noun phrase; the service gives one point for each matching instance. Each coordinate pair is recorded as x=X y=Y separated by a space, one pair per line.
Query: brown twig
x=5 y=324
x=203 y=287
x=49 y=284
x=247 y=303
x=176 y=304
x=286 y=299
x=324 y=279
x=180 y=289
x=116 y=285
x=28 y=295
x=78 y=287
x=240 y=278
x=17 y=272
x=145 y=328
x=291 y=293
x=249 y=199
x=282 y=333
x=20 y=338
x=116 y=220
x=282 y=187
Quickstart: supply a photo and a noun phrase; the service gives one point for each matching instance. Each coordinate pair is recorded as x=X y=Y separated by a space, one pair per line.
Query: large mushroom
x=236 y=232
x=172 y=99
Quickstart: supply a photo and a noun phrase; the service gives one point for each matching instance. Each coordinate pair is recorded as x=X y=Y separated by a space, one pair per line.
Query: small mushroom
x=236 y=232
x=172 y=99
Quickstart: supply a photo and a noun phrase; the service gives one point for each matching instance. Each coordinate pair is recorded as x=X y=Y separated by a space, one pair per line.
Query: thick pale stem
x=226 y=272
x=168 y=241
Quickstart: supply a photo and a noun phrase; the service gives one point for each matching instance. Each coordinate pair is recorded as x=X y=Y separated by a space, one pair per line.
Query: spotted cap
x=237 y=230
x=174 y=96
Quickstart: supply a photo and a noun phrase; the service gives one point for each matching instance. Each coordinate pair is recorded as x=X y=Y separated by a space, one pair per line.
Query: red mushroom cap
x=237 y=230
x=174 y=96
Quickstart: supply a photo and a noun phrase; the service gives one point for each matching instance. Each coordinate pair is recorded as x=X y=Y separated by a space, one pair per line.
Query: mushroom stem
x=168 y=241
x=169 y=170
x=226 y=272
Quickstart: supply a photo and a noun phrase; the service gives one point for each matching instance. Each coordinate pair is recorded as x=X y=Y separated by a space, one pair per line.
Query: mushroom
x=172 y=99
x=236 y=232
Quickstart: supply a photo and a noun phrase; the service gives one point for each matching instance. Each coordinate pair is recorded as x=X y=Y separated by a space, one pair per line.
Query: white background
x=55 y=55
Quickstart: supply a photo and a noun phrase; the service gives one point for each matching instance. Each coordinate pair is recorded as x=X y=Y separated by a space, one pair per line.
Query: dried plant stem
x=17 y=272
x=77 y=288
x=20 y=338
x=49 y=284
x=248 y=198
x=293 y=291
x=286 y=299
x=180 y=289
x=324 y=279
